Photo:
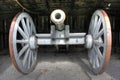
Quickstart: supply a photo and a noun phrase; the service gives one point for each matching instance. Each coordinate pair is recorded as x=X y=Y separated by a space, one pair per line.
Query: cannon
x=24 y=41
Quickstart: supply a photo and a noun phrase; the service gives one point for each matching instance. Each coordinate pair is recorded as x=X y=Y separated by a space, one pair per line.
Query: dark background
x=78 y=13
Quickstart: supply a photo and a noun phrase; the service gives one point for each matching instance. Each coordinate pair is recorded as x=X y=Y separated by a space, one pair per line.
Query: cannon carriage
x=24 y=39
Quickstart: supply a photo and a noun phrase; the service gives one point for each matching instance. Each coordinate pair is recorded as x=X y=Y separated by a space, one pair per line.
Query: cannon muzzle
x=58 y=17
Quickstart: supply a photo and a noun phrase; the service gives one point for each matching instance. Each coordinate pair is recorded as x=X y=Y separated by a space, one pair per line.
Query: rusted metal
x=11 y=43
x=109 y=41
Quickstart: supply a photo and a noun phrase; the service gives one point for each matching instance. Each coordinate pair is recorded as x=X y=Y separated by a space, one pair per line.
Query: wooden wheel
x=99 y=41
x=22 y=43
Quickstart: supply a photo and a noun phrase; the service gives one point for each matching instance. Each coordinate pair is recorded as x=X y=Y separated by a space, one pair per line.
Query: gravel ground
x=114 y=66
x=63 y=65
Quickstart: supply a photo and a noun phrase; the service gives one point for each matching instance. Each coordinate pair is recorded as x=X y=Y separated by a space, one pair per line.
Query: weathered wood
x=44 y=7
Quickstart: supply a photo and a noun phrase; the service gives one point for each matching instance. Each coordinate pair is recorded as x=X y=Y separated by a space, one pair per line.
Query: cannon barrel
x=58 y=17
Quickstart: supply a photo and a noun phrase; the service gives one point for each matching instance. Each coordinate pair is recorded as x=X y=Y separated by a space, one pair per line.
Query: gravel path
x=63 y=65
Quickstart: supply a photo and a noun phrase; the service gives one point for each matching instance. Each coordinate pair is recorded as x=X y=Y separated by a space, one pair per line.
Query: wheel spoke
x=29 y=60
x=26 y=58
x=98 y=52
x=32 y=56
x=28 y=26
x=97 y=62
x=90 y=30
x=100 y=34
x=32 y=27
x=95 y=23
x=91 y=25
x=23 y=50
x=22 y=33
x=21 y=41
x=93 y=60
x=91 y=55
x=24 y=26
x=98 y=25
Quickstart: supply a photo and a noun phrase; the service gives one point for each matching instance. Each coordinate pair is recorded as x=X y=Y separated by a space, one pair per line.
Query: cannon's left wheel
x=22 y=43
x=99 y=41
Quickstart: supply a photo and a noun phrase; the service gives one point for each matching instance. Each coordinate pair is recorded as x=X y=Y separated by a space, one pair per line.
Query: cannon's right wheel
x=22 y=43
x=99 y=41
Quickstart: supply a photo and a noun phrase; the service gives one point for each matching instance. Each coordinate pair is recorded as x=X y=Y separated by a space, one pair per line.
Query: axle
x=63 y=37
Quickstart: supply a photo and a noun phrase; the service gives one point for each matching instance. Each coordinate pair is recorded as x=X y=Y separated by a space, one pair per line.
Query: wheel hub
x=89 y=41
x=33 y=42
x=99 y=41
